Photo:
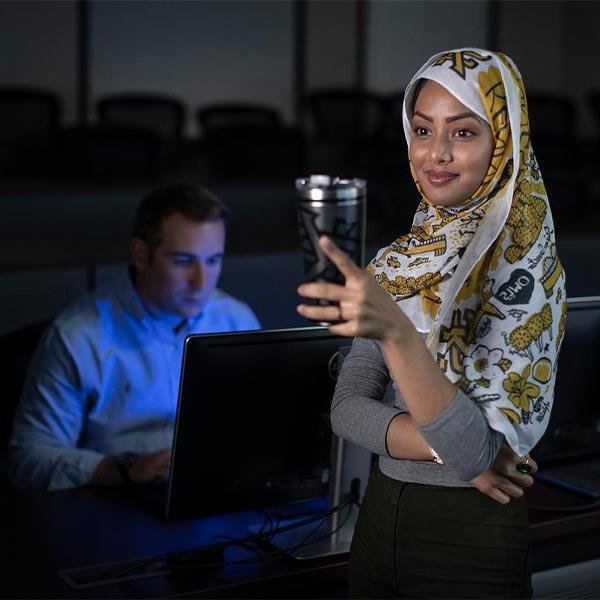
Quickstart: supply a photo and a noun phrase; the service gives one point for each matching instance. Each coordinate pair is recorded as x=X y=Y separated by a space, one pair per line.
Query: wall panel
x=201 y=52
x=402 y=35
x=38 y=48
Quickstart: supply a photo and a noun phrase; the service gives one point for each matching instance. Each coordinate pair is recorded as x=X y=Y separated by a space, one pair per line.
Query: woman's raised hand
x=364 y=308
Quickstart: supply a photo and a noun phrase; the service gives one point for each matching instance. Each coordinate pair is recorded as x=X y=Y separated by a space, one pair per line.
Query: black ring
x=524 y=468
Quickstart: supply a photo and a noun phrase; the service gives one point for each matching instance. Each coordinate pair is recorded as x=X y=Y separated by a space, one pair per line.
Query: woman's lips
x=440 y=178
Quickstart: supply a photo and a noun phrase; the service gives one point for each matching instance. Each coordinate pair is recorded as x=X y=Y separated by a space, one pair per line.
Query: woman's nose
x=440 y=151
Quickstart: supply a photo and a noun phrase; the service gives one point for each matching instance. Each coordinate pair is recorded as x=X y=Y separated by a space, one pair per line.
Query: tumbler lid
x=326 y=187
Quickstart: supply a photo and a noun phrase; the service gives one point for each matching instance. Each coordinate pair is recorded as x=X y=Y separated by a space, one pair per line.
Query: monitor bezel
x=263 y=336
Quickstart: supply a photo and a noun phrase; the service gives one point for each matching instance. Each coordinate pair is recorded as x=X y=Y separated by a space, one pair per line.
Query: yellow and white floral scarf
x=483 y=278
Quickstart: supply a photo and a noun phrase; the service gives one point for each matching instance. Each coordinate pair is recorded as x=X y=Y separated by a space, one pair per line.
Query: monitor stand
x=350 y=468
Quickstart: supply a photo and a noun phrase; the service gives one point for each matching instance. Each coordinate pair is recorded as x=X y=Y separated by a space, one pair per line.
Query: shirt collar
x=134 y=305
x=129 y=297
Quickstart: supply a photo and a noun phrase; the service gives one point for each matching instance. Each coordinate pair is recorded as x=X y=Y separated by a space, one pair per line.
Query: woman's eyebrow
x=464 y=115
x=451 y=119
x=418 y=113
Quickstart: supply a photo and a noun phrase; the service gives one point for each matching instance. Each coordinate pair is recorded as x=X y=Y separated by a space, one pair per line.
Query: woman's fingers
x=522 y=480
x=320 y=313
x=366 y=309
x=509 y=470
x=510 y=488
x=339 y=258
x=494 y=484
x=499 y=496
x=323 y=290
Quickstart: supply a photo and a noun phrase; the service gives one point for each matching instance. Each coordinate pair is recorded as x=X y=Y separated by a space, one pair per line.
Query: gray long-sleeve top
x=460 y=435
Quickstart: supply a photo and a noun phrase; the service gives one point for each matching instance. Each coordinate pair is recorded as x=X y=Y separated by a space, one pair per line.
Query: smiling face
x=451 y=147
x=177 y=277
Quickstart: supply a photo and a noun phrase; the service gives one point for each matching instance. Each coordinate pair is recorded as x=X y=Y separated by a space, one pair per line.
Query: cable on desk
x=198 y=552
x=305 y=541
x=283 y=551
x=170 y=556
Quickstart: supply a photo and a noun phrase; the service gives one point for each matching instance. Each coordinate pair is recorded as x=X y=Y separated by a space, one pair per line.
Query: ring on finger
x=524 y=467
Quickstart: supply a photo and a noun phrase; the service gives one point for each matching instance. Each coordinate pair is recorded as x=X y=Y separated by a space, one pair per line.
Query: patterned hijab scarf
x=483 y=278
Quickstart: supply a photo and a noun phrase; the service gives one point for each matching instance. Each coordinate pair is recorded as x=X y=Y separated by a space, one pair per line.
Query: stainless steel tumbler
x=337 y=208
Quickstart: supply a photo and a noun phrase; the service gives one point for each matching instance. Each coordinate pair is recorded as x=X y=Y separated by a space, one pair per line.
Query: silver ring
x=524 y=467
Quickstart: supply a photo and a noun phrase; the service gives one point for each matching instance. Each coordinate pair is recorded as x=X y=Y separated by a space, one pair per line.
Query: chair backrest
x=106 y=152
x=16 y=349
x=345 y=114
x=27 y=115
x=553 y=121
x=593 y=100
x=161 y=115
x=551 y=115
x=215 y=118
x=393 y=128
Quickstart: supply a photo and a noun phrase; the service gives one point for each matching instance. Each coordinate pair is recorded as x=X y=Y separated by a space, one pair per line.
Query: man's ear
x=140 y=254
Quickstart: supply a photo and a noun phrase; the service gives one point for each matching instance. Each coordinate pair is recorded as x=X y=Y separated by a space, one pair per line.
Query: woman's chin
x=438 y=199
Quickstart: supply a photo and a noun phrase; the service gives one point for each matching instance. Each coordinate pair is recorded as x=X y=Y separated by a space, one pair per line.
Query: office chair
x=151 y=115
x=248 y=140
x=161 y=115
x=345 y=114
x=29 y=121
x=593 y=101
x=16 y=350
x=553 y=120
x=393 y=129
x=101 y=153
x=344 y=127
x=393 y=155
x=219 y=116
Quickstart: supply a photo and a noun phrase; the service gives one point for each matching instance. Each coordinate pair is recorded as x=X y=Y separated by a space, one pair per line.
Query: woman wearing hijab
x=465 y=315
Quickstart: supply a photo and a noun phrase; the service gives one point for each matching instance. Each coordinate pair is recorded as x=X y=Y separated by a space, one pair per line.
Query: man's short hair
x=188 y=199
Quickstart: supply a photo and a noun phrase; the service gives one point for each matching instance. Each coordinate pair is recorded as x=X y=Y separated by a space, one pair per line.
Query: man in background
x=100 y=399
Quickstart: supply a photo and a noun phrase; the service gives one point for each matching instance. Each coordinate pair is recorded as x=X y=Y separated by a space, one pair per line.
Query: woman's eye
x=420 y=131
x=463 y=133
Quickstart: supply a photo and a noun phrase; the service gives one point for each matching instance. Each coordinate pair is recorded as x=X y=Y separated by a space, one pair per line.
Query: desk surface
x=46 y=533
x=49 y=532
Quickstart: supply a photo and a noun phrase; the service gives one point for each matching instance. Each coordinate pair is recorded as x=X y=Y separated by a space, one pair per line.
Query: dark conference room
x=204 y=397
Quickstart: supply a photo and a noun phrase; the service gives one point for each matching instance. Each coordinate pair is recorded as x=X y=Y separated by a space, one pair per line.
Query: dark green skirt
x=425 y=541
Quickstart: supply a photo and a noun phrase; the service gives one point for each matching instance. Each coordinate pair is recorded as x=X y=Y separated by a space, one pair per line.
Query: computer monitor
x=252 y=427
x=574 y=427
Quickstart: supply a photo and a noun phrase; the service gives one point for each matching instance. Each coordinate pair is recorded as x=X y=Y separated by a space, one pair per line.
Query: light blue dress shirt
x=104 y=380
